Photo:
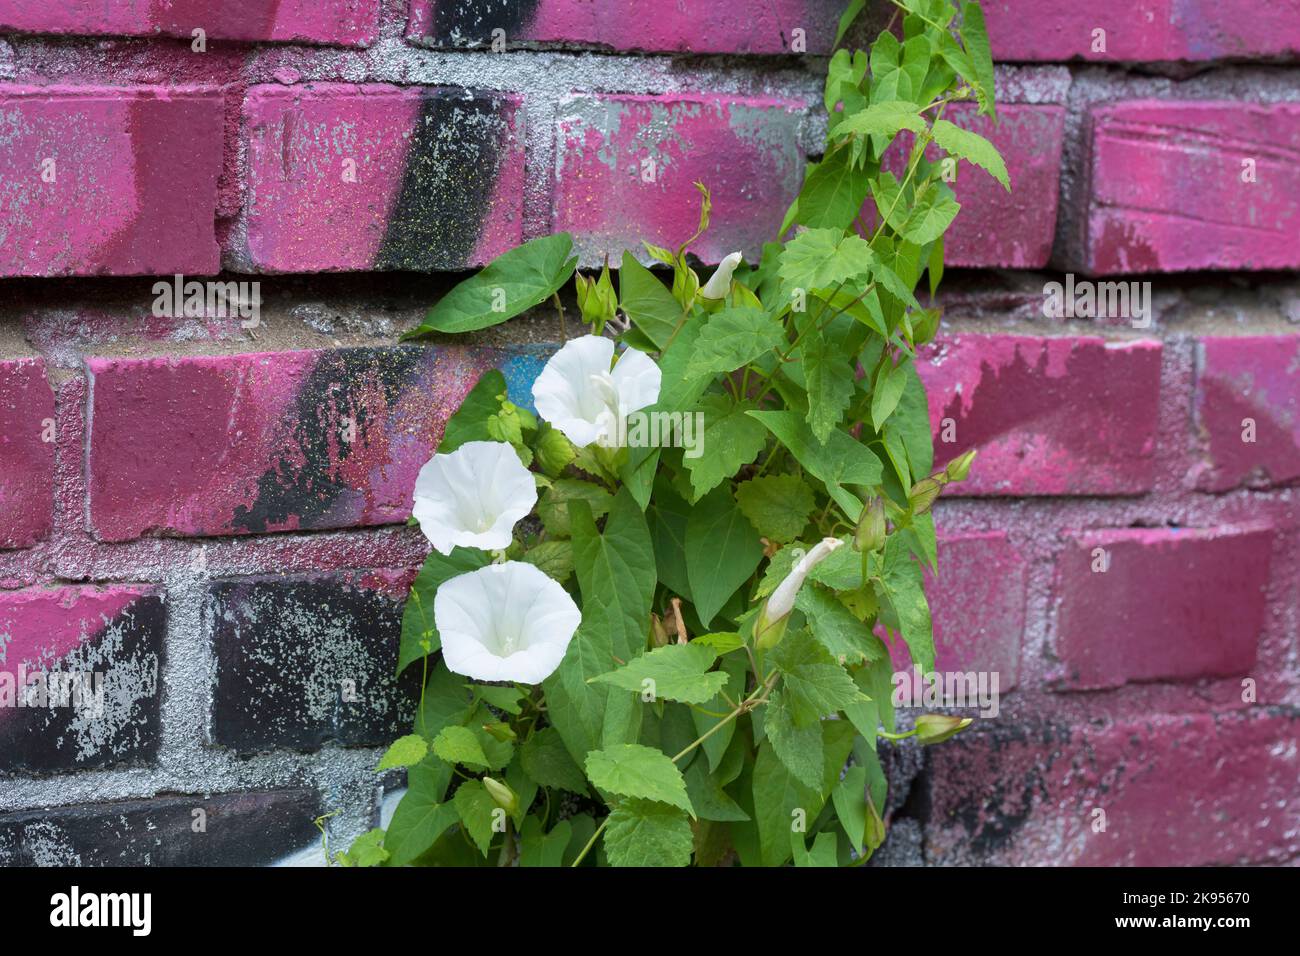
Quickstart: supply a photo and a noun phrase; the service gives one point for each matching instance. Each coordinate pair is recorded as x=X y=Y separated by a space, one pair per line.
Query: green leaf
x=882 y=119
x=833 y=193
x=543 y=849
x=825 y=851
x=799 y=748
x=778 y=506
x=544 y=757
x=841 y=460
x=510 y=285
x=676 y=672
x=890 y=382
x=647 y=302
x=417 y=617
x=667 y=515
x=830 y=376
x=911 y=422
x=631 y=770
x=502 y=698
x=421 y=816
x=780 y=802
x=722 y=551
x=404 y=752
x=820 y=258
x=475 y=806
x=470 y=420
x=850 y=14
x=815 y=684
x=715 y=745
x=711 y=802
x=554 y=452
x=366 y=850
x=445 y=701
x=645 y=833
x=850 y=799
x=459 y=745
x=730 y=439
x=732 y=338
x=972 y=147
x=553 y=557
x=905 y=586
x=931 y=214
x=835 y=627
x=975 y=38
x=553 y=508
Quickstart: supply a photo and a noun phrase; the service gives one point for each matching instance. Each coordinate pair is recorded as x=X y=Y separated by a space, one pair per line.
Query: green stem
x=592 y=842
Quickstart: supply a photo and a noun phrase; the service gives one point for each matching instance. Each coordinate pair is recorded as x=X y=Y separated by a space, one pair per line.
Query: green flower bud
x=923 y=493
x=936 y=728
x=959 y=467
x=501 y=794
x=870 y=533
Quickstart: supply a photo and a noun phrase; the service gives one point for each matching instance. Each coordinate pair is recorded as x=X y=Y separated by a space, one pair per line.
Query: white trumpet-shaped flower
x=473 y=496
x=504 y=622
x=584 y=398
x=781 y=602
x=719 y=283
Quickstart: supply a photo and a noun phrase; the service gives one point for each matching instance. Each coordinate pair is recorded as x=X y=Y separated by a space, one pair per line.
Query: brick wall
x=211 y=515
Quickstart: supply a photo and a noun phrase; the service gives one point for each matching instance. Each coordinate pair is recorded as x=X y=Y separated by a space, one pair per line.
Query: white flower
x=473 y=496
x=504 y=622
x=781 y=602
x=579 y=395
x=719 y=283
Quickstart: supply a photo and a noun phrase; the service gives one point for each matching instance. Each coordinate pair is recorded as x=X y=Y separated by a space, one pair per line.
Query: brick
x=334 y=681
x=977 y=604
x=347 y=177
x=1050 y=416
x=1167 y=191
x=997 y=228
x=342 y=22
x=1255 y=378
x=257 y=442
x=745 y=150
x=26 y=457
x=108 y=640
x=1176 y=791
x=134 y=173
x=1141 y=31
x=233 y=829
x=1173 y=604
x=685 y=26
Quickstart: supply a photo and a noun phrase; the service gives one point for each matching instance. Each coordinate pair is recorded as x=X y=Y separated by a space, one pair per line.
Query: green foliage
x=669 y=734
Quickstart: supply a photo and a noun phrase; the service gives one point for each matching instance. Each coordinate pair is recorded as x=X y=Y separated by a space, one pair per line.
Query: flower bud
x=771 y=619
x=959 y=467
x=923 y=493
x=719 y=283
x=870 y=533
x=501 y=794
x=936 y=728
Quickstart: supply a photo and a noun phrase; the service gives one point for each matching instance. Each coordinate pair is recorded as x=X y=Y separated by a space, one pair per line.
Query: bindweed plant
x=650 y=624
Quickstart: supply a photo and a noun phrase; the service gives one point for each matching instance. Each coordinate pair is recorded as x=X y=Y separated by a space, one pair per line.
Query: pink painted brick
x=251 y=443
x=1167 y=191
x=977 y=602
x=1176 y=791
x=346 y=177
x=1172 y=604
x=1250 y=379
x=994 y=227
x=134 y=173
x=1050 y=416
x=342 y=22
x=26 y=457
x=686 y=26
x=745 y=150
x=1142 y=30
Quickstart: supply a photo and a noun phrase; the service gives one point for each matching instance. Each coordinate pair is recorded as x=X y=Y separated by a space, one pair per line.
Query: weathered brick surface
x=26 y=456
x=745 y=150
x=215 y=445
x=1172 y=604
x=103 y=180
x=1141 y=30
x=1168 y=192
x=1050 y=416
x=994 y=227
x=977 y=603
x=56 y=641
x=333 y=681
x=689 y=26
x=1175 y=791
x=224 y=829
x=346 y=22
x=347 y=177
x=1248 y=410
